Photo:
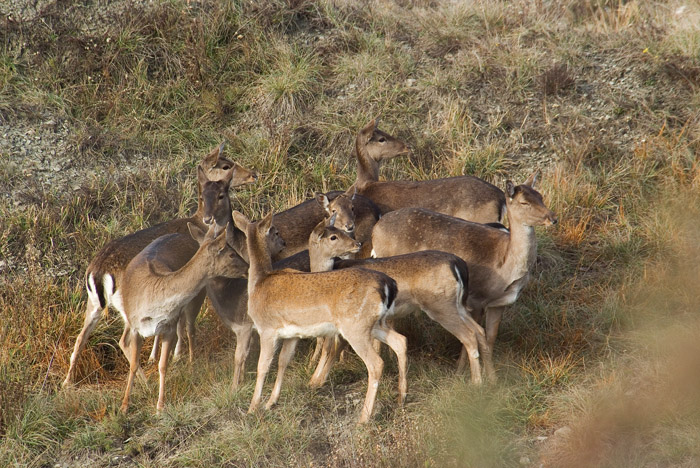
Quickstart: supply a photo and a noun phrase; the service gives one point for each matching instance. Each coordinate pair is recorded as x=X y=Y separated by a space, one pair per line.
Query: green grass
x=601 y=96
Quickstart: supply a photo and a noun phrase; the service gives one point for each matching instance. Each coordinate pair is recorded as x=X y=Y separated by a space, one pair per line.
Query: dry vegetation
x=598 y=361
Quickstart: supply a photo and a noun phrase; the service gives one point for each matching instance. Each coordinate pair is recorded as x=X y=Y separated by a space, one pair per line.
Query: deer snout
x=208 y=220
x=551 y=220
x=254 y=177
x=349 y=228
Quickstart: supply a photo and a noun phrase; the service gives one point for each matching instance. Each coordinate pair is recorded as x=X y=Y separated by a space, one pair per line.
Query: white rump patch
x=373 y=254
x=108 y=285
x=459 y=293
x=92 y=290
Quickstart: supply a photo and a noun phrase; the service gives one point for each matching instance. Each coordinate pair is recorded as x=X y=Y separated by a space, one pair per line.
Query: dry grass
x=600 y=95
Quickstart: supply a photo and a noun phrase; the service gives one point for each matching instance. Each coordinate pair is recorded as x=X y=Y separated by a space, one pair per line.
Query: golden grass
x=599 y=95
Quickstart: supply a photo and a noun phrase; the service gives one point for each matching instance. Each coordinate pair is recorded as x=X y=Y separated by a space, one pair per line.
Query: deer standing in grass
x=499 y=262
x=287 y=305
x=443 y=298
x=465 y=197
x=104 y=274
x=229 y=296
x=160 y=282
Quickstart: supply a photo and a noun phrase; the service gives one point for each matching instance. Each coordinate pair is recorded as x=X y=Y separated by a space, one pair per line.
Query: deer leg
x=286 y=355
x=125 y=349
x=267 y=352
x=397 y=342
x=243 y=335
x=185 y=326
x=333 y=346
x=317 y=350
x=168 y=338
x=362 y=344
x=468 y=332
x=493 y=320
x=478 y=315
x=131 y=344
x=92 y=318
x=154 y=350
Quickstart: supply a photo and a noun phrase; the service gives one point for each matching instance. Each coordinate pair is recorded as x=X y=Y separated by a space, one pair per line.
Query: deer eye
x=226 y=167
x=382 y=139
x=334 y=237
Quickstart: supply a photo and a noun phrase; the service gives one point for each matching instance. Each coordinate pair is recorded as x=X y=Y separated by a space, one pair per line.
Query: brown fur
x=288 y=304
x=443 y=297
x=113 y=258
x=465 y=197
x=499 y=262
x=295 y=224
x=160 y=282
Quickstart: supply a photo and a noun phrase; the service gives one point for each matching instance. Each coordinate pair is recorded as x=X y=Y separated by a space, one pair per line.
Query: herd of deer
x=305 y=272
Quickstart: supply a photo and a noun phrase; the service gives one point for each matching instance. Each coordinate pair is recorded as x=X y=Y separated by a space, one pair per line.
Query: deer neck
x=188 y=280
x=318 y=261
x=367 y=168
x=260 y=260
x=522 y=249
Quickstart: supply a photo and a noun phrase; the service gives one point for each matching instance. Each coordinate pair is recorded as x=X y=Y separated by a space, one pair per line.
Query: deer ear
x=241 y=221
x=210 y=159
x=266 y=223
x=532 y=180
x=351 y=192
x=317 y=232
x=196 y=232
x=220 y=154
x=332 y=220
x=322 y=200
x=510 y=189
x=368 y=129
x=376 y=123
x=201 y=176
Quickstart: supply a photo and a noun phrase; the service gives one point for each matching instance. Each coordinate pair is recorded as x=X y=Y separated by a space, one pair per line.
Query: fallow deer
x=160 y=282
x=499 y=262
x=296 y=223
x=104 y=273
x=465 y=197
x=287 y=305
x=432 y=281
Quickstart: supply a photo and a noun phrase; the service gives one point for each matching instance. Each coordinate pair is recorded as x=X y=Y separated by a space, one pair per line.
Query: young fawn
x=158 y=285
x=287 y=305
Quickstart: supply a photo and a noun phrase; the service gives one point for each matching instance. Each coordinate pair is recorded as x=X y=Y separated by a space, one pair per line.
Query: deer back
x=295 y=224
x=496 y=258
x=465 y=197
x=301 y=301
x=113 y=258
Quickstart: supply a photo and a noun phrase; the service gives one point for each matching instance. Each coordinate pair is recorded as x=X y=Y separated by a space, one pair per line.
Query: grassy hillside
x=107 y=107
